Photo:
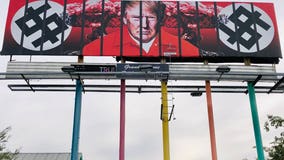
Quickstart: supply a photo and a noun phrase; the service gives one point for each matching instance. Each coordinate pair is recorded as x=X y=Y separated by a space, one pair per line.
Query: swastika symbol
x=33 y=25
x=34 y=15
x=239 y=26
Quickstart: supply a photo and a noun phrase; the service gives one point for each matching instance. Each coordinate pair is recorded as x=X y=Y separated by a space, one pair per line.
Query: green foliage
x=4 y=153
x=276 y=150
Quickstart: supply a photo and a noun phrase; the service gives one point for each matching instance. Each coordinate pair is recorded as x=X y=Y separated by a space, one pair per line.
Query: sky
x=42 y=121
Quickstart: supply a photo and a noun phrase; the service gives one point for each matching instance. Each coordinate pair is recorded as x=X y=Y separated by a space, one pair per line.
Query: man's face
x=149 y=23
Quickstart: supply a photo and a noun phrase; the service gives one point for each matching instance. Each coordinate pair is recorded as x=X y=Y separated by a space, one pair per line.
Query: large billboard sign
x=143 y=30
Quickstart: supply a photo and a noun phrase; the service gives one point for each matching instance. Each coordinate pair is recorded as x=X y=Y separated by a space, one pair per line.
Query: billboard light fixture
x=68 y=69
x=223 y=69
x=196 y=94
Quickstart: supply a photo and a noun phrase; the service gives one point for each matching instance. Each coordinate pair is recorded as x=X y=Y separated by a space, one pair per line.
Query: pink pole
x=211 y=121
x=122 y=120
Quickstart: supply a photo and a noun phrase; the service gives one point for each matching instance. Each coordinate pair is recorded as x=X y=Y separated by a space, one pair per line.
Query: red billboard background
x=184 y=31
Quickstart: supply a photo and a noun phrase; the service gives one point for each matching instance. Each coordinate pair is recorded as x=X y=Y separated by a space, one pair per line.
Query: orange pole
x=211 y=121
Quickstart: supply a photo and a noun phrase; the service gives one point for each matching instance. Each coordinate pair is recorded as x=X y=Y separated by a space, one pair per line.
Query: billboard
x=144 y=30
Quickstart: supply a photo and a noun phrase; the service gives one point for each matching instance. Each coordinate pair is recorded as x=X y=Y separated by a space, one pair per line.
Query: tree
x=276 y=150
x=5 y=154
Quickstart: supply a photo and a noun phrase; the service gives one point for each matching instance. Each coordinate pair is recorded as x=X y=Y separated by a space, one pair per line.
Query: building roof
x=46 y=156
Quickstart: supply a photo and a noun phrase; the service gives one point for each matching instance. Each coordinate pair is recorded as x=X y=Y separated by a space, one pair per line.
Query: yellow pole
x=165 y=121
x=165 y=117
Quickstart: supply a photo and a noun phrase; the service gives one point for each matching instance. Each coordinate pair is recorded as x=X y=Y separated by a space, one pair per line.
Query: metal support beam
x=254 y=82
x=165 y=120
x=276 y=85
x=171 y=113
x=255 y=119
x=77 y=116
x=76 y=121
x=28 y=82
x=194 y=90
x=122 y=120
x=211 y=121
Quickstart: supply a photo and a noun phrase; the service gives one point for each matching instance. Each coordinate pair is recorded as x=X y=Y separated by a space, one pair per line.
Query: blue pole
x=76 y=121
x=255 y=121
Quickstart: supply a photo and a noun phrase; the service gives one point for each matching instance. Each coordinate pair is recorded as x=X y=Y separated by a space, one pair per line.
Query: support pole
x=211 y=121
x=77 y=117
x=255 y=120
x=165 y=117
x=165 y=120
x=76 y=121
x=122 y=119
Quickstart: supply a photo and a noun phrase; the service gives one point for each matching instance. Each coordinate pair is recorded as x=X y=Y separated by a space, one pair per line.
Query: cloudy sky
x=42 y=121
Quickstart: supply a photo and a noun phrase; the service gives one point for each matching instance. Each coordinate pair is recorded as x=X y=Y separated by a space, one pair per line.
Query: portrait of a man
x=142 y=35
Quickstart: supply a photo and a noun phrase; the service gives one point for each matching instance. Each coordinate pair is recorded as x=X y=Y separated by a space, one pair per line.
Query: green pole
x=255 y=121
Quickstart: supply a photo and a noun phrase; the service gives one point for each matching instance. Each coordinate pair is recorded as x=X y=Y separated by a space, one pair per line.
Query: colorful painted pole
x=165 y=121
x=76 y=121
x=211 y=121
x=165 y=117
x=122 y=119
x=77 y=117
x=255 y=121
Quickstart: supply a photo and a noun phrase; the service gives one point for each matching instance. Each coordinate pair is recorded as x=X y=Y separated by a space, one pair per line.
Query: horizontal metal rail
x=232 y=76
x=142 y=88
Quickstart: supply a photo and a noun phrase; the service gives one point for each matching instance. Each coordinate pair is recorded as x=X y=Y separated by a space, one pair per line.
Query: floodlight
x=223 y=69
x=68 y=69
x=196 y=94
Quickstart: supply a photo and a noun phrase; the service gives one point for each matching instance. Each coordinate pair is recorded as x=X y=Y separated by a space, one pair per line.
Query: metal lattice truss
x=265 y=78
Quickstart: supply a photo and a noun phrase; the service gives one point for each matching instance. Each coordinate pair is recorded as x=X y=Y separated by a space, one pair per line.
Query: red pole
x=122 y=120
x=211 y=121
